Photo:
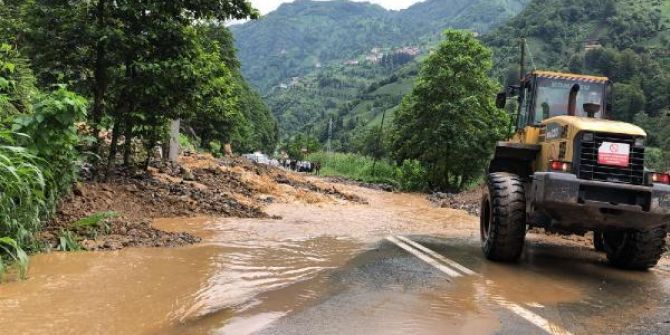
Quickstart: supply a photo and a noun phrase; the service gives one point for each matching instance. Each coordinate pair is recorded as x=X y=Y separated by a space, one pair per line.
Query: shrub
x=411 y=176
x=52 y=134
x=38 y=162
x=356 y=167
x=23 y=199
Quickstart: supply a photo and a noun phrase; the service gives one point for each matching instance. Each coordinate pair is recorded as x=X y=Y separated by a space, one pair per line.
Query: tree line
x=141 y=64
x=98 y=82
x=443 y=133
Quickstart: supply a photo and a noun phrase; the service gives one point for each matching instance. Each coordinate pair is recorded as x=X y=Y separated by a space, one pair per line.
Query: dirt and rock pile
x=377 y=187
x=118 y=234
x=468 y=201
x=197 y=185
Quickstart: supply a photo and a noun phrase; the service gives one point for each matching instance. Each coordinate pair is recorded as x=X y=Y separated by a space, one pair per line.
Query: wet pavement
x=330 y=269
x=390 y=291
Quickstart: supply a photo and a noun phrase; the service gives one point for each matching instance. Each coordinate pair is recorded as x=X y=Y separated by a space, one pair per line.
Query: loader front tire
x=503 y=218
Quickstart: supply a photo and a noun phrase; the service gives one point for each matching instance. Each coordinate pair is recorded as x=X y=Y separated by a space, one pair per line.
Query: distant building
x=374 y=59
x=593 y=44
x=412 y=51
x=294 y=81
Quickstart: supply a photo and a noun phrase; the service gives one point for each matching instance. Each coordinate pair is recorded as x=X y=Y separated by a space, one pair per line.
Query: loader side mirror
x=513 y=91
x=501 y=100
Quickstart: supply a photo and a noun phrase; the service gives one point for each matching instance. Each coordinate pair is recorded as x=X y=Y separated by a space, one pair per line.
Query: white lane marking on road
x=423 y=257
x=438 y=256
x=533 y=318
x=542 y=323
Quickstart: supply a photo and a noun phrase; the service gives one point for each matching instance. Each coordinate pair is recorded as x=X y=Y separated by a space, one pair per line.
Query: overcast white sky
x=266 y=6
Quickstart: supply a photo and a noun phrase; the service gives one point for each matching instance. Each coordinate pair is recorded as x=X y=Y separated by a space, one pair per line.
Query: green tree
x=449 y=122
x=228 y=110
x=629 y=100
x=658 y=142
x=137 y=61
x=373 y=143
x=17 y=84
x=301 y=145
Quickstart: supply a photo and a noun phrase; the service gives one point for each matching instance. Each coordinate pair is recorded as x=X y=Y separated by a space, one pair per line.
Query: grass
x=24 y=201
x=355 y=167
x=67 y=241
x=95 y=219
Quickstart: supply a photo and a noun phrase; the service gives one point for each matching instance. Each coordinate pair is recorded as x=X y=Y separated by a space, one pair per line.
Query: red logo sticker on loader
x=614 y=154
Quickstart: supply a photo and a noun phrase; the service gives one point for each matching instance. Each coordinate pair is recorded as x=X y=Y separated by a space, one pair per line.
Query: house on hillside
x=410 y=51
x=592 y=44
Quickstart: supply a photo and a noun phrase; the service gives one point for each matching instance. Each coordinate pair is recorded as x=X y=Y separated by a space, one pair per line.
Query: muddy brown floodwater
x=246 y=274
x=154 y=290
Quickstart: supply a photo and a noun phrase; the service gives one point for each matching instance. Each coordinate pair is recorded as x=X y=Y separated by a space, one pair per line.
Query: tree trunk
x=128 y=145
x=111 y=159
x=150 y=151
x=100 y=78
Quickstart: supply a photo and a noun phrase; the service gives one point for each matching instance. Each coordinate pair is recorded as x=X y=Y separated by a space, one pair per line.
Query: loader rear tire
x=503 y=218
x=635 y=250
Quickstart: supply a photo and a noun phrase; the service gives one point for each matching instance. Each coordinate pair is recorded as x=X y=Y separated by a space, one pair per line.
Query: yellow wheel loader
x=571 y=170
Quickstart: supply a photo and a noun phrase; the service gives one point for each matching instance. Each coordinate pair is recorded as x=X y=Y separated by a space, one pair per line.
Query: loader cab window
x=525 y=99
x=553 y=96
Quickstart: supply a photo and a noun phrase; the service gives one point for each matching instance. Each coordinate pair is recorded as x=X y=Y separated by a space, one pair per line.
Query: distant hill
x=303 y=35
x=349 y=62
x=626 y=40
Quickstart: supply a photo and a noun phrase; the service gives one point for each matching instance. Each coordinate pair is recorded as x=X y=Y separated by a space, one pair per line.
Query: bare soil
x=198 y=185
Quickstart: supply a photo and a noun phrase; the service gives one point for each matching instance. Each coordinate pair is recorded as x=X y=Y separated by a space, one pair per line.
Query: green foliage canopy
x=449 y=122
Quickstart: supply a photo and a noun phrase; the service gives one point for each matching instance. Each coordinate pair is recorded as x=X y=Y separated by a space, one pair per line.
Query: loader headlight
x=588 y=137
x=640 y=142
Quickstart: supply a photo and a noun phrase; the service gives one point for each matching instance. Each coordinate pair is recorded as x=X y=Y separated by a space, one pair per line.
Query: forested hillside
x=628 y=41
x=349 y=63
x=304 y=35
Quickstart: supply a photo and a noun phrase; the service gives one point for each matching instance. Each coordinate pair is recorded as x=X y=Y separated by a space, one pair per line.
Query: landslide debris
x=346 y=181
x=195 y=186
x=118 y=234
x=468 y=201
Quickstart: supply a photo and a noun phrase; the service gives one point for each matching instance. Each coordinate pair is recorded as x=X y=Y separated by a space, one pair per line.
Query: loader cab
x=543 y=95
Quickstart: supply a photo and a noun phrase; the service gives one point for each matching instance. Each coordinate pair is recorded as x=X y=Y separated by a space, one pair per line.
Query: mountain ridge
x=304 y=35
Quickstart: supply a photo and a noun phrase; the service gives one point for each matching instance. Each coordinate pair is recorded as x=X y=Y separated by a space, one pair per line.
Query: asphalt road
x=422 y=285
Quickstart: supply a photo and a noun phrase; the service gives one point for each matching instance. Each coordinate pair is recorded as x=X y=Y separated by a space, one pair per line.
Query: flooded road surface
x=331 y=269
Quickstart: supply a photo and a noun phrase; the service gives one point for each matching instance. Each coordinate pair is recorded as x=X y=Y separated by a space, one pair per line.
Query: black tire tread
x=640 y=251
x=508 y=208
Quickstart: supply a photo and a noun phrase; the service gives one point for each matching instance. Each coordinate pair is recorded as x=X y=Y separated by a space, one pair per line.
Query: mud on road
x=328 y=268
